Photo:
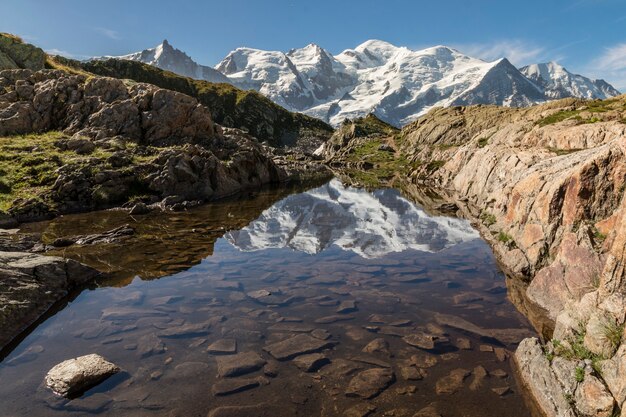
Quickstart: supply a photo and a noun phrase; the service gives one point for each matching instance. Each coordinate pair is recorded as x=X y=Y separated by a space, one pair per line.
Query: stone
x=347 y=306
x=485 y=348
x=311 y=362
x=479 y=375
x=74 y=376
x=379 y=345
x=149 y=345
x=501 y=354
x=463 y=343
x=300 y=344
x=421 y=340
x=360 y=410
x=239 y=364
x=186 y=330
x=614 y=374
x=541 y=381
x=593 y=399
x=30 y=284
x=501 y=391
x=321 y=334
x=234 y=385
x=411 y=373
x=452 y=382
x=423 y=360
x=223 y=347
x=271 y=369
x=333 y=319
x=370 y=383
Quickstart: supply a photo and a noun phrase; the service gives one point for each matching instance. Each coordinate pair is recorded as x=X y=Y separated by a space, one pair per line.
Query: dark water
x=290 y=264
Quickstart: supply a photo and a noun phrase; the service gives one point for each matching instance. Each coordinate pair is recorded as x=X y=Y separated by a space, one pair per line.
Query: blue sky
x=587 y=36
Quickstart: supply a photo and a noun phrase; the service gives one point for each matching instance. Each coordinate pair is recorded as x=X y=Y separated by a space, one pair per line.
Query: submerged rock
x=370 y=383
x=239 y=364
x=77 y=375
x=300 y=344
x=223 y=347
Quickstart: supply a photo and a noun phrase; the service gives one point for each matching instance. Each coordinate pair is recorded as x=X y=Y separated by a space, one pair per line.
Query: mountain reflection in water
x=370 y=224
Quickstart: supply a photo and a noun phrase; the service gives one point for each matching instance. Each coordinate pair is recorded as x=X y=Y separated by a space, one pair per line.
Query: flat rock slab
x=295 y=346
x=235 y=385
x=368 y=384
x=452 y=382
x=77 y=375
x=239 y=364
x=421 y=340
x=311 y=362
x=333 y=319
x=223 y=347
x=186 y=330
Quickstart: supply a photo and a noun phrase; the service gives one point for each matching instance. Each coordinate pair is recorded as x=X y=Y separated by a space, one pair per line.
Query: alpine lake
x=327 y=301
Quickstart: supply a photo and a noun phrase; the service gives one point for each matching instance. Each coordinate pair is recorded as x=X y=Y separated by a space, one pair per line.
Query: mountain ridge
x=397 y=84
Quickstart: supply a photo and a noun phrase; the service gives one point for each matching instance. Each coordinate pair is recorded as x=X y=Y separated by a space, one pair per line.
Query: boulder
x=74 y=376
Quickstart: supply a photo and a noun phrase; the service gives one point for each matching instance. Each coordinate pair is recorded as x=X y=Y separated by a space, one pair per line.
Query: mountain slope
x=558 y=82
x=168 y=58
x=229 y=106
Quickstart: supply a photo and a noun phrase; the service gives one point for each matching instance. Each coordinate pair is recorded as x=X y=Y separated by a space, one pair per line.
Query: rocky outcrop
x=545 y=186
x=31 y=284
x=14 y=53
x=141 y=144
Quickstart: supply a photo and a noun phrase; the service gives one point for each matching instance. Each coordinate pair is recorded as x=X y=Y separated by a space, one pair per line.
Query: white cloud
x=109 y=33
x=61 y=52
x=517 y=51
x=611 y=66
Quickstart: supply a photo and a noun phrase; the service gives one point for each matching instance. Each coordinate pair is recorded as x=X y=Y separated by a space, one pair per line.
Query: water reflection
x=370 y=224
x=374 y=283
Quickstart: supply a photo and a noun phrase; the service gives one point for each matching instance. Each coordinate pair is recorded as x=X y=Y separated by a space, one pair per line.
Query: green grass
x=613 y=333
x=561 y=152
x=576 y=350
x=579 y=374
x=29 y=164
x=504 y=237
x=488 y=219
x=596 y=108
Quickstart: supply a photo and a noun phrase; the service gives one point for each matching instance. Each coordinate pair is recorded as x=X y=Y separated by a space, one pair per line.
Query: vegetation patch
x=561 y=152
x=505 y=237
x=488 y=219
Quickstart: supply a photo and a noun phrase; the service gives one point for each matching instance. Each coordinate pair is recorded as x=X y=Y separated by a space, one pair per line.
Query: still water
x=367 y=280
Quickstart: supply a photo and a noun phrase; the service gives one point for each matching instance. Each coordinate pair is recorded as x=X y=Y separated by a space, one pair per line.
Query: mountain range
x=396 y=84
x=368 y=224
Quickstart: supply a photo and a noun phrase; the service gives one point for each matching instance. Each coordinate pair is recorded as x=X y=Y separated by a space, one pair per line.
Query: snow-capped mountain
x=166 y=57
x=397 y=84
x=557 y=82
x=368 y=224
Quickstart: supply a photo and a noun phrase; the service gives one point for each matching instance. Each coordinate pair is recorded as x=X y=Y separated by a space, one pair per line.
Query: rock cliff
x=545 y=186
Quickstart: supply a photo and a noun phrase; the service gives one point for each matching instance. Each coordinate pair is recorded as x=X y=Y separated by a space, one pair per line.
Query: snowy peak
x=558 y=82
x=370 y=224
x=166 y=57
x=397 y=84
